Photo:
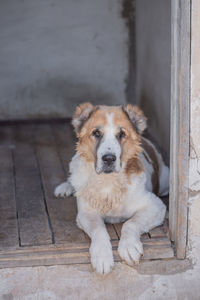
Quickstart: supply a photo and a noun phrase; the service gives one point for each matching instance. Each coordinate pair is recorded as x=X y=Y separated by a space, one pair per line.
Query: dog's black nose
x=109 y=158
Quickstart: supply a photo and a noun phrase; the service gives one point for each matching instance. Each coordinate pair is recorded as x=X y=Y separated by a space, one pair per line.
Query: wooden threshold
x=156 y=247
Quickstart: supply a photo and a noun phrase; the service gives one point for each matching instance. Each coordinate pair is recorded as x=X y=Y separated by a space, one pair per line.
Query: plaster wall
x=55 y=54
x=194 y=174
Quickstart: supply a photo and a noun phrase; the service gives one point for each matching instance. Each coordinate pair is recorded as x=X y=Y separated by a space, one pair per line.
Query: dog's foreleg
x=100 y=248
x=63 y=189
x=130 y=247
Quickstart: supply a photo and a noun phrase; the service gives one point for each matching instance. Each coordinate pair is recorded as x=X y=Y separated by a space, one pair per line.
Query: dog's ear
x=82 y=113
x=136 y=116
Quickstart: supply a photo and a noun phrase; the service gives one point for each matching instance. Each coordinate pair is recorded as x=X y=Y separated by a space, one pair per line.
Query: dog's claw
x=130 y=250
x=64 y=189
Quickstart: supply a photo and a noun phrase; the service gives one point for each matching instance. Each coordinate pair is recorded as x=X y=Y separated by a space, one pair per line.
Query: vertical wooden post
x=180 y=105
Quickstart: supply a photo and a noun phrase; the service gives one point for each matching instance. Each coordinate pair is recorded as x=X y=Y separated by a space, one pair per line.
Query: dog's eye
x=121 y=134
x=97 y=133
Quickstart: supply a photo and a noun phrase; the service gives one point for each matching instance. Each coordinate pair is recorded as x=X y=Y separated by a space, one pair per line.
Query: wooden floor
x=35 y=227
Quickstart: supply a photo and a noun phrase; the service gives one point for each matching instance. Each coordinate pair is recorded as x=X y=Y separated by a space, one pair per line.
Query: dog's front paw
x=101 y=257
x=130 y=249
x=64 y=189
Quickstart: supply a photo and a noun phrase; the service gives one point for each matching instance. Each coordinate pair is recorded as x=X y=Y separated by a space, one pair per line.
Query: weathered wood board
x=8 y=215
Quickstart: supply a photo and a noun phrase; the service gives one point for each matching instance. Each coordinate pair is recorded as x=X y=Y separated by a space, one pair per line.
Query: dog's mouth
x=107 y=170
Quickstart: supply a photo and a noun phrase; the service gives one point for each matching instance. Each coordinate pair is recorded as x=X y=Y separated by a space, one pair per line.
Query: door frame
x=180 y=120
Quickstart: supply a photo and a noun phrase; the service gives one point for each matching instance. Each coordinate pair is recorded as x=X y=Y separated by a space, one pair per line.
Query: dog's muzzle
x=109 y=160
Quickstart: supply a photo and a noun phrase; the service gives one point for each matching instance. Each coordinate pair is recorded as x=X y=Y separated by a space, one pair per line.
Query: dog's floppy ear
x=82 y=113
x=136 y=116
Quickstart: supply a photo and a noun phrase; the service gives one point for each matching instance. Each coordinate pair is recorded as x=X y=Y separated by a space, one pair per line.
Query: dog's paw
x=64 y=189
x=101 y=257
x=130 y=250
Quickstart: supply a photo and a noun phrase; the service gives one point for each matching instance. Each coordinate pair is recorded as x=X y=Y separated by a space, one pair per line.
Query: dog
x=116 y=175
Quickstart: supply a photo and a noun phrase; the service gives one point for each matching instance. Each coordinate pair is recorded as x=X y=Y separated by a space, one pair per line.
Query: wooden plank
x=157 y=232
x=118 y=228
x=180 y=101
x=163 y=241
x=112 y=232
x=7 y=136
x=32 y=217
x=8 y=220
x=45 y=260
x=159 y=252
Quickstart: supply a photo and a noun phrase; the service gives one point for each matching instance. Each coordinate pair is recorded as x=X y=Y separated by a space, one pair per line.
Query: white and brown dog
x=115 y=176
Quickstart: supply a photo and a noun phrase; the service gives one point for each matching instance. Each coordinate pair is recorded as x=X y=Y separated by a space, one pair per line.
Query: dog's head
x=108 y=136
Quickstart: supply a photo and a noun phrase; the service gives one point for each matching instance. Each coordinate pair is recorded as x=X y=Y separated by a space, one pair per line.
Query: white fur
x=64 y=189
x=143 y=209
x=164 y=180
x=109 y=144
x=100 y=248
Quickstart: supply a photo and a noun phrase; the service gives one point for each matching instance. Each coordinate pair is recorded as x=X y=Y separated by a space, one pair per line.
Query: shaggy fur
x=114 y=175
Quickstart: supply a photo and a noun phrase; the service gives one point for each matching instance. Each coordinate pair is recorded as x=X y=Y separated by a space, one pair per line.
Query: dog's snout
x=109 y=158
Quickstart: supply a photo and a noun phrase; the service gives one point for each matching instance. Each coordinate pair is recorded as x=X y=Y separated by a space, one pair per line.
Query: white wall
x=55 y=54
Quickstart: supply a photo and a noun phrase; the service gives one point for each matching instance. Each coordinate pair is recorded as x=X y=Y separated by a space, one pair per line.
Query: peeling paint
x=194 y=174
x=193 y=193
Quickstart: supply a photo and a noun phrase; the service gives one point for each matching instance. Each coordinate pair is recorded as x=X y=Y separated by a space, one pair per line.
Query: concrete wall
x=55 y=54
x=194 y=172
x=153 y=66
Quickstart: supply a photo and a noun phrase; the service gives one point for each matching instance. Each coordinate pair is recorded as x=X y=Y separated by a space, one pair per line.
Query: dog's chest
x=112 y=195
x=104 y=192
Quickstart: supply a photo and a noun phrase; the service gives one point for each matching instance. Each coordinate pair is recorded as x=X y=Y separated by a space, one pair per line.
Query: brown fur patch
x=131 y=144
x=136 y=117
x=82 y=113
x=151 y=157
x=134 y=165
x=86 y=146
